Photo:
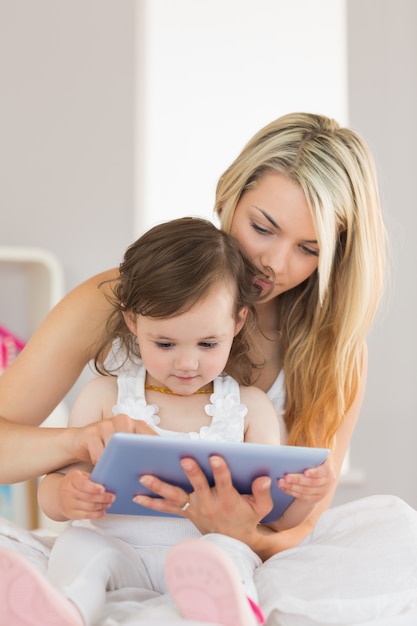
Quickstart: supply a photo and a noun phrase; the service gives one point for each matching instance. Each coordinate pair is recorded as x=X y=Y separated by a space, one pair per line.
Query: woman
x=302 y=201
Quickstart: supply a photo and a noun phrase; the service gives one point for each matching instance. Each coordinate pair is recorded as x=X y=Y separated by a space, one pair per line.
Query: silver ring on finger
x=186 y=504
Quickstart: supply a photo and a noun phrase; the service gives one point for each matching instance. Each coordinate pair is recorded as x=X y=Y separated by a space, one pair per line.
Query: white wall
x=383 y=104
x=67 y=129
x=67 y=123
x=210 y=74
x=117 y=115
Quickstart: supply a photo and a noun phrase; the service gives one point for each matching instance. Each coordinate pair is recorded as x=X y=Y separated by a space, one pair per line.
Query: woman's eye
x=260 y=229
x=208 y=345
x=310 y=251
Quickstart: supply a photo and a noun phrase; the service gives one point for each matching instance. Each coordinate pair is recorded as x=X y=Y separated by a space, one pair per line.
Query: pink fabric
x=258 y=611
x=10 y=346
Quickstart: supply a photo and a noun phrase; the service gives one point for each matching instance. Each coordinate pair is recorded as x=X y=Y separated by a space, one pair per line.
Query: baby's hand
x=313 y=485
x=80 y=498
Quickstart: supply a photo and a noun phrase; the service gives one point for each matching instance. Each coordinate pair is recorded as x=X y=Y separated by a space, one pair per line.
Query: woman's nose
x=276 y=257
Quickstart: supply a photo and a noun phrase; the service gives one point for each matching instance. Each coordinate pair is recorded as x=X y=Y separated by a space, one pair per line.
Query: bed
x=358 y=567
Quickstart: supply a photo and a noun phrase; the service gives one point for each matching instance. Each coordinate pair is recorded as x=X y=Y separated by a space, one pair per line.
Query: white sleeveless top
x=227 y=424
x=276 y=393
x=225 y=409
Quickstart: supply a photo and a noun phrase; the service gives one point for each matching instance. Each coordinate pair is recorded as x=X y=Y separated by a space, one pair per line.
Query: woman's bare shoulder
x=94 y=288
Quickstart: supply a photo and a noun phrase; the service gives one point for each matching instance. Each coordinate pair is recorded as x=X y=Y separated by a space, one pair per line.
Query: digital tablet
x=128 y=456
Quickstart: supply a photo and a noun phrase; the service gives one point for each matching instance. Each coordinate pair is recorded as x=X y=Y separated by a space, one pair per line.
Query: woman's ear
x=241 y=318
x=130 y=319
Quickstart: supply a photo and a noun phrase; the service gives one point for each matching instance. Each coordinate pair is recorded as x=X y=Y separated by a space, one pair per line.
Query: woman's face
x=274 y=228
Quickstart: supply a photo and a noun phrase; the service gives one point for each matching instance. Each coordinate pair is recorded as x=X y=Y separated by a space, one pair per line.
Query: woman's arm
x=56 y=354
x=40 y=377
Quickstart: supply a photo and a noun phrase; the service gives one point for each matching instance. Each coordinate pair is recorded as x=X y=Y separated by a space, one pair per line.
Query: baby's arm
x=317 y=484
x=68 y=493
x=261 y=422
x=314 y=489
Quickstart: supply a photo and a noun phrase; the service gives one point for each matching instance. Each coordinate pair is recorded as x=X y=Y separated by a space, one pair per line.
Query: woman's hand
x=88 y=442
x=313 y=485
x=221 y=509
x=217 y=509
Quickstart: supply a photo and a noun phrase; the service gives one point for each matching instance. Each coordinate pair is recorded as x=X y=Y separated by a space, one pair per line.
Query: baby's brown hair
x=167 y=271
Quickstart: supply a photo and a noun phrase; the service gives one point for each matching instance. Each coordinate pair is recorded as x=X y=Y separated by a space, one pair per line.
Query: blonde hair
x=325 y=320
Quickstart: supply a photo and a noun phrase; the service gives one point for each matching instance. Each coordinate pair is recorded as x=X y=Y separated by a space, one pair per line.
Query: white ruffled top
x=225 y=408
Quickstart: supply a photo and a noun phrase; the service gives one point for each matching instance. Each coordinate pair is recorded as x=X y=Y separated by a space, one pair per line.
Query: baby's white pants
x=85 y=563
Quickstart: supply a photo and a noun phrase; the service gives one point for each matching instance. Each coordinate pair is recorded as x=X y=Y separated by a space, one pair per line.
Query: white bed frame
x=44 y=285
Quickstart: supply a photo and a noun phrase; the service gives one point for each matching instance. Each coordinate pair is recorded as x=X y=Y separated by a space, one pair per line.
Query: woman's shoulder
x=92 y=289
x=81 y=315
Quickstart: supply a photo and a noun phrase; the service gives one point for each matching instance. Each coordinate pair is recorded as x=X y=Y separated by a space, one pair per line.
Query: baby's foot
x=27 y=598
x=205 y=585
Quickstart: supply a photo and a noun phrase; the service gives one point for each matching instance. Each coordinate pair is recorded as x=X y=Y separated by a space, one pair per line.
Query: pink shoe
x=27 y=598
x=205 y=585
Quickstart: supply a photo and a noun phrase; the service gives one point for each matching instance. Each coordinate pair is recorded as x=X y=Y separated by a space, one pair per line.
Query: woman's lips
x=263 y=284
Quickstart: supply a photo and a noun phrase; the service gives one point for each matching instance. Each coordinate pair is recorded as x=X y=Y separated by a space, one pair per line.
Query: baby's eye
x=208 y=345
x=164 y=345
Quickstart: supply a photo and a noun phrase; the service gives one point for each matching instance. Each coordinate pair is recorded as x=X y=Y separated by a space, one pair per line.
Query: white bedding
x=358 y=568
